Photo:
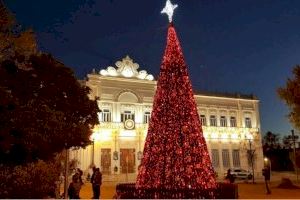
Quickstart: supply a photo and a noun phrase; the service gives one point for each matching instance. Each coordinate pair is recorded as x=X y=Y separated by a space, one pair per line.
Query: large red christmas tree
x=175 y=153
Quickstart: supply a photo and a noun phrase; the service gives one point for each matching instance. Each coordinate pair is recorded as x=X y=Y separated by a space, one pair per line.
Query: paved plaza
x=246 y=190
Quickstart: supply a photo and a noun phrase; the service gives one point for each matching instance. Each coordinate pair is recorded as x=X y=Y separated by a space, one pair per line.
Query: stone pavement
x=107 y=191
x=246 y=190
x=258 y=191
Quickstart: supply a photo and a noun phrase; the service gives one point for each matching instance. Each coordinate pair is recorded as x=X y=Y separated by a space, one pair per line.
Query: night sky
x=246 y=46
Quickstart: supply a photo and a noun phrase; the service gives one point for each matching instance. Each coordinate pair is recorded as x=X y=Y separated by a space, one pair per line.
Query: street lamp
x=268 y=163
x=94 y=137
x=93 y=153
x=251 y=152
x=66 y=172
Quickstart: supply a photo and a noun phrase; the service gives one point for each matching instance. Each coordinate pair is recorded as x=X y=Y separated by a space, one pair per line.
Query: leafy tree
x=14 y=41
x=279 y=157
x=288 y=141
x=45 y=109
x=271 y=139
x=270 y=143
x=291 y=95
x=30 y=181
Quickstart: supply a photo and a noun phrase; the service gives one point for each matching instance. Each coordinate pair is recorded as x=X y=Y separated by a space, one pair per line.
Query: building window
x=232 y=121
x=223 y=122
x=203 y=120
x=215 y=158
x=225 y=158
x=105 y=115
x=248 y=122
x=213 y=120
x=127 y=115
x=236 y=158
x=146 y=117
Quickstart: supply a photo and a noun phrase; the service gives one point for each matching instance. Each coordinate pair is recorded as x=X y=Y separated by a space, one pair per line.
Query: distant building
x=231 y=123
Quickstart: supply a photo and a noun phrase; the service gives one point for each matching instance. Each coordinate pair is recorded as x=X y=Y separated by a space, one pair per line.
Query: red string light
x=175 y=153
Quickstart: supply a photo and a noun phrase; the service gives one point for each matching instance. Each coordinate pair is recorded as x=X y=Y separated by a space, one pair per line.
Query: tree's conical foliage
x=175 y=153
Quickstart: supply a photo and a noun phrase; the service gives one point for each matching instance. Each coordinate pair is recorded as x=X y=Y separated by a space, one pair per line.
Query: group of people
x=76 y=184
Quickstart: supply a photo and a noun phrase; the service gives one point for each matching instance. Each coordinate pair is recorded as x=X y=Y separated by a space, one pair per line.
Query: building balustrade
x=144 y=126
x=235 y=134
x=120 y=125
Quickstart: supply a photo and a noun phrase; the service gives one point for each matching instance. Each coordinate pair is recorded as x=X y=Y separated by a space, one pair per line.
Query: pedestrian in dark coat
x=96 y=183
x=74 y=188
x=267 y=175
x=229 y=176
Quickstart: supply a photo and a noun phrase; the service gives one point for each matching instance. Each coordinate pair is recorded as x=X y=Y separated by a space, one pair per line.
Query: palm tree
x=271 y=139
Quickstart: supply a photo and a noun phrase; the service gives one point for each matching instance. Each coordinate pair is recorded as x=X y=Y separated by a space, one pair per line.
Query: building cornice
x=130 y=80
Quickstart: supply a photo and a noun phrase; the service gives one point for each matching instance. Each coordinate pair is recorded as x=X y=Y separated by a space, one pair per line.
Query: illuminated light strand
x=175 y=153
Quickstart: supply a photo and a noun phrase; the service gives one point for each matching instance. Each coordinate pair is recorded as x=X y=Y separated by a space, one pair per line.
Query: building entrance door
x=127 y=160
x=106 y=161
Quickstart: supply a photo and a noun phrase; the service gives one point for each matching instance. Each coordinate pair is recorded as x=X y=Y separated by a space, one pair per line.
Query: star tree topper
x=169 y=9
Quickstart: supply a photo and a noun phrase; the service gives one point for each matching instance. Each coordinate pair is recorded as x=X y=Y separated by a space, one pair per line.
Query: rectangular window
x=225 y=157
x=105 y=115
x=223 y=121
x=213 y=120
x=146 y=117
x=248 y=122
x=236 y=158
x=203 y=120
x=127 y=115
x=215 y=158
x=232 y=121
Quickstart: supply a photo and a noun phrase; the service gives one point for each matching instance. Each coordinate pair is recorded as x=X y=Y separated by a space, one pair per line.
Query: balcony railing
x=120 y=125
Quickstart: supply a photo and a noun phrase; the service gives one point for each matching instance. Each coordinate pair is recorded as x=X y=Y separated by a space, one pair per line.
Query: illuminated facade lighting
x=122 y=98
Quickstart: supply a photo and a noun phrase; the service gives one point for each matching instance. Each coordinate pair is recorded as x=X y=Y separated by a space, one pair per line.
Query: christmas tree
x=175 y=153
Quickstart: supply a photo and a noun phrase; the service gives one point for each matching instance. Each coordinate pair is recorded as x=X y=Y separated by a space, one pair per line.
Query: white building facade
x=231 y=124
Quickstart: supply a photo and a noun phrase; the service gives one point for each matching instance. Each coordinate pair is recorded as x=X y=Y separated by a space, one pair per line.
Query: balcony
x=120 y=125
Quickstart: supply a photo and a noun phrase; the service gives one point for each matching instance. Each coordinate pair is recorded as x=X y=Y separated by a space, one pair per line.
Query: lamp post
x=66 y=172
x=94 y=137
x=93 y=153
x=268 y=163
x=251 y=152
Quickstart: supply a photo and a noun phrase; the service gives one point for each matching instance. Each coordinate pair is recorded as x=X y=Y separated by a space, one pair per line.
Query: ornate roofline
x=128 y=69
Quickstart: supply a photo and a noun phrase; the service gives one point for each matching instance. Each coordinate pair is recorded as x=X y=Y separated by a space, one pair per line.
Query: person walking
x=267 y=175
x=96 y=181
x=92 y=180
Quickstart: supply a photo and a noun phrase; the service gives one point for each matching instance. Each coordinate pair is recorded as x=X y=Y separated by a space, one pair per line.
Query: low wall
x=223 y=191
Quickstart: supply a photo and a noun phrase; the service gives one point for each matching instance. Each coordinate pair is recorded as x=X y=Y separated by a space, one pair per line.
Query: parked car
x=240 y=173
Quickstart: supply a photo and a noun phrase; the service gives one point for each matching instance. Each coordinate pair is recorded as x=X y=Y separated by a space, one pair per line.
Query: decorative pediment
x=126 y=68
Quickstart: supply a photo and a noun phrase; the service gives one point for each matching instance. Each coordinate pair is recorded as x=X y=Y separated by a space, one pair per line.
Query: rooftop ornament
x=128 y=69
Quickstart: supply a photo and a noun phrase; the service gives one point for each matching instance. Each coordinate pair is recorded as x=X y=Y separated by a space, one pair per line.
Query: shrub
x=33 y=180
